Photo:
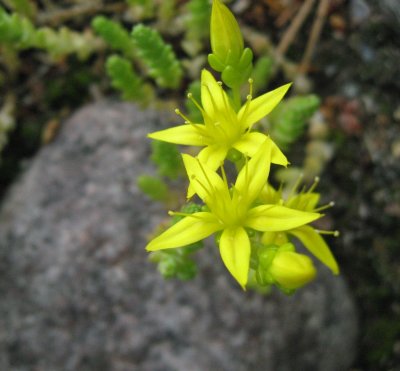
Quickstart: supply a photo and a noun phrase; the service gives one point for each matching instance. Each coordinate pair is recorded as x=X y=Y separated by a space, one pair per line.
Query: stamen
x=197 y=104
x=224 y=178
x=246 y=169
x=211 y=97
x=204 y=173
x=295 y=186
x=179 y=113
x=324 y=207
x=250 y=80
x=246 y=107
x=331 y=233
x=316 y=181
x=178 y=213
x=193 y=177
x=249 y=97
x=217 y=125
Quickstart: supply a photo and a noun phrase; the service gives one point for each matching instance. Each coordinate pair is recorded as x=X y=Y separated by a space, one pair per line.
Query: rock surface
x=77 y=292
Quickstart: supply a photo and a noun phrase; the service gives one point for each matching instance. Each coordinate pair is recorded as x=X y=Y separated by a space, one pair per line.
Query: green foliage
x=124 y=78
x=158 y=56
x=153 y=187
x=262 y=72
x=26 y=8
x=175 y=263
x=166 y=10
x=19 y=32
x=16 y=30
x=143 y=8
x=65 y=41
x=167 y=158
x=289 y=119
x=198 y=19
x=114 y=34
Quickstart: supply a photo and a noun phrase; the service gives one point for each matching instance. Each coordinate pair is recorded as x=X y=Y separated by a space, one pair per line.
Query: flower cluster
x=253 y=222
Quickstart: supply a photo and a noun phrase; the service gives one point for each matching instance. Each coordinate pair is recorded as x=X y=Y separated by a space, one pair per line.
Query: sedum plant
x=19 y=33
x=158 y=56
x=255 y=226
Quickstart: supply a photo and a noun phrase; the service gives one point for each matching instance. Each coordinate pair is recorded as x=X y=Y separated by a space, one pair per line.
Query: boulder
x=78 y=293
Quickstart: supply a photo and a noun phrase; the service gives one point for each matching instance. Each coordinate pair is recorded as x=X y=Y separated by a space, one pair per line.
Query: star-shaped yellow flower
x=231 y=211
x=223 y=127
x=309 y=236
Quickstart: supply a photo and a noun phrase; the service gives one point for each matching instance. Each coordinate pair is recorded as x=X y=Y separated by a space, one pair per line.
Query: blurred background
x=342 y=55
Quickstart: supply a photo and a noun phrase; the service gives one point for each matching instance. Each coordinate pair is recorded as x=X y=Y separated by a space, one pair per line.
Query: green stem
x=236 y=97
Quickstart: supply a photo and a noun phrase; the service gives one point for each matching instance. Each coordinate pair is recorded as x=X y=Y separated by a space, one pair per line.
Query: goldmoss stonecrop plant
x=252 y=222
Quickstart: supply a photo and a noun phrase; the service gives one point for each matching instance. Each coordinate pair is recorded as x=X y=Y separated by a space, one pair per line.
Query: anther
x=199 y=107
x=324 y=207
x=179 y=113
x=332 y=233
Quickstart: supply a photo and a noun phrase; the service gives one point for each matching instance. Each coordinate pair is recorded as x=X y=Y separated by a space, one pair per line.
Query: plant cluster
x=252 y=222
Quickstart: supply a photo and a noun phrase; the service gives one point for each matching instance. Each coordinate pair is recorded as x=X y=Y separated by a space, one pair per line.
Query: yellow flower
x=309 y=236
x=223 y=127
x=231 y=211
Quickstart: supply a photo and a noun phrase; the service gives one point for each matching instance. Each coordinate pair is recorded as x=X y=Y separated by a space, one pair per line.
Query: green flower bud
x=292 y=270
x=226 y=38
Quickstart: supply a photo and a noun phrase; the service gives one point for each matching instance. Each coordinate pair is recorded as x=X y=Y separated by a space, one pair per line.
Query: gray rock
x=77 y=291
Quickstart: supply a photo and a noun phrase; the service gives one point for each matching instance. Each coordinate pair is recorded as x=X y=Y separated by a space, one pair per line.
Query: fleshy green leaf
x=159 y=57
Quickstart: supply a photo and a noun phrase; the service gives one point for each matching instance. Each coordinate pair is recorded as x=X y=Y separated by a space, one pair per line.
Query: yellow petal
x=189 y=135
x=261 y=106
x=277 y=157
x=188 y=230
x=211 y=94
x=213 y=156
x=215 y=101
x=234 y=247
x=316 y=245
x=275 y=218
x=250 y=142
x=203 y=181
x=254 y=174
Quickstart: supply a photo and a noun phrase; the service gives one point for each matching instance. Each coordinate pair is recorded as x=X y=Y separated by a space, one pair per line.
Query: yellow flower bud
x=226 y=38
x=292 y=270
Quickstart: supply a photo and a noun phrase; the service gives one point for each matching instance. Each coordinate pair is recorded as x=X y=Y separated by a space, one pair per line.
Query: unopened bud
x=292 y=270
x=226 y=38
